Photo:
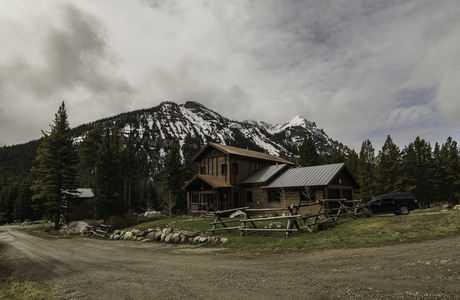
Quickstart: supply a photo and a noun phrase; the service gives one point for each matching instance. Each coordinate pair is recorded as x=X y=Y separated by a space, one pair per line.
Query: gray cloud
x=359 y=69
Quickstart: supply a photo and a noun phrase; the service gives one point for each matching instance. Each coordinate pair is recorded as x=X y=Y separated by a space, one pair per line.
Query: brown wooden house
x=222 y=170
x=231 y=177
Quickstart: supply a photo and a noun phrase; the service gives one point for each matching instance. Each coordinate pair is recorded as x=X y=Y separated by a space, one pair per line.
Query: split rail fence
x=295 y=220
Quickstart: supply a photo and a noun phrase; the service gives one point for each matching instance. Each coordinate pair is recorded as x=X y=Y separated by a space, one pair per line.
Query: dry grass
x=16 y=288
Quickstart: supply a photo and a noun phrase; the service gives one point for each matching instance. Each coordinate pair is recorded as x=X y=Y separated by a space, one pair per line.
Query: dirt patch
x=84 y=268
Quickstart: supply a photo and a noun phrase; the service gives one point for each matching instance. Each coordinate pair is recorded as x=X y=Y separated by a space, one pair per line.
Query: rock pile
x=166 y=235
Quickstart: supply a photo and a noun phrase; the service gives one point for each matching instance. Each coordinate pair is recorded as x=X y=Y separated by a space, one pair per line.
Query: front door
x=223 y=200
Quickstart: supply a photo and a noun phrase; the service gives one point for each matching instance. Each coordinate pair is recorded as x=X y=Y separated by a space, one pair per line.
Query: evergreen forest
x=126 y=178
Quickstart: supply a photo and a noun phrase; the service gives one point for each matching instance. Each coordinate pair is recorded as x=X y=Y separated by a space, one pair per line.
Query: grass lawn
x=360 y=232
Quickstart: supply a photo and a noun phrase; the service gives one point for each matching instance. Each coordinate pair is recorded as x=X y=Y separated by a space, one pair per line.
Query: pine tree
x=173 y=179
x=108 y=191
x=308 y=154
x=55 y=167
x=450 y=162
x=418 y=169
x=23 y=205
x=338 y=157
x=389 y=168
x=438 y=174
x=352 y=161
x=129 y=170
x=87 y=153
x=366 y=170
x=8 y=196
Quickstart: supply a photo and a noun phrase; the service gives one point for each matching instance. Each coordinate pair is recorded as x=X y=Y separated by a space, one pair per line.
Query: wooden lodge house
x=231 y=177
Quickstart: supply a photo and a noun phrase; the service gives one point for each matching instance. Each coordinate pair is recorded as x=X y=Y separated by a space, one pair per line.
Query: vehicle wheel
x=404 y=210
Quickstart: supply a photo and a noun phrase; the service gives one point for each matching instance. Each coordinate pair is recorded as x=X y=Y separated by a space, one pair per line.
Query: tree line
x=432 y=174
x=126 y=177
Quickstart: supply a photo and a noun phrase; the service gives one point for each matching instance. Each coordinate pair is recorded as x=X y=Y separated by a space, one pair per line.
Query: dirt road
x=93 y=269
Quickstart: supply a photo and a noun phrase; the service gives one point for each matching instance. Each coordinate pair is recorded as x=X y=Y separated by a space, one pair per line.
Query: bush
x=121 y=222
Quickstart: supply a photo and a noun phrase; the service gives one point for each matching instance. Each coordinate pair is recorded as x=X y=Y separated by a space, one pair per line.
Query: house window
x=307 y=195
x=274 y=196
x=203 y=170
x=249 y=198
x=235 y=169
x=224 y=169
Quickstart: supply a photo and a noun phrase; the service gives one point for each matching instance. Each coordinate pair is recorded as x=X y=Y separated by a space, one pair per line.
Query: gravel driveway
x=84 y=268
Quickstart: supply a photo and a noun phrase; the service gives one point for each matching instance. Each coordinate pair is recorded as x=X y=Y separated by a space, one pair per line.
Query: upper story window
x=235 y=169
x=223 y=169
x=203 y=170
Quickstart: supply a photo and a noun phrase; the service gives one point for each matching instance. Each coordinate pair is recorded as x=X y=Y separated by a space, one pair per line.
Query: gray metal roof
x=83 y=193
x=265 y=174
x=306 y=176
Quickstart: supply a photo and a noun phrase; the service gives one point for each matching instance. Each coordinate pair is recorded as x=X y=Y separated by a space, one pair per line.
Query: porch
x=206 y=193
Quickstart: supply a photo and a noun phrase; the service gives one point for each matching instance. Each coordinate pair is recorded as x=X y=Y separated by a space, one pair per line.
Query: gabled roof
x=230 y=150
x=309 y=176
x=213 y=181
x=266 y=174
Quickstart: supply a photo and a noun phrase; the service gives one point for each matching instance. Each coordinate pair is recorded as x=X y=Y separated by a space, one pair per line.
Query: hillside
x=192 y=125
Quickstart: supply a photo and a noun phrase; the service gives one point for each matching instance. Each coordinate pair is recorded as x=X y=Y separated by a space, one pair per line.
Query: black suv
x=399 y=204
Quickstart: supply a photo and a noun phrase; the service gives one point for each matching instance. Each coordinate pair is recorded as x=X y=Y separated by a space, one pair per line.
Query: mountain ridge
x=193 y=125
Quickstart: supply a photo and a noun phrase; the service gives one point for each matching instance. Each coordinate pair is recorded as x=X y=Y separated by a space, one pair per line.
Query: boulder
x=127 y=235
x=158 y=235
x=168 y=238
x=190 y=233
x=446 y=206
x=168 y=230
x=175 y=238
x=151 y=236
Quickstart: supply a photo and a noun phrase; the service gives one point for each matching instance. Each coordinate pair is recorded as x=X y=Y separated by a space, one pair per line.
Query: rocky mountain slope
x=192 y=125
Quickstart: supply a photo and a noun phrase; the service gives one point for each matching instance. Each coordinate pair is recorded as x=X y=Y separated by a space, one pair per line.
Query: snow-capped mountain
x=192 y=125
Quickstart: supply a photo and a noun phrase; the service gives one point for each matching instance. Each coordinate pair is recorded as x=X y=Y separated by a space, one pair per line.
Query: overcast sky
x=359 y=69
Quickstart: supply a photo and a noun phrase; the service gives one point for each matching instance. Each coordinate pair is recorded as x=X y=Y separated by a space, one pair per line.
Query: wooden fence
x=324 y=215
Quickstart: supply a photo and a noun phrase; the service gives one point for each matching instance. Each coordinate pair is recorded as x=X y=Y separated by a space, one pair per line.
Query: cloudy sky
x=359 y=69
